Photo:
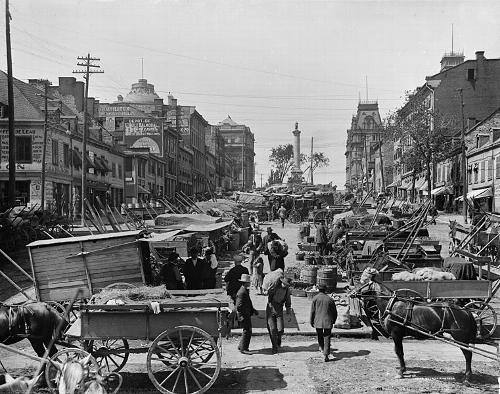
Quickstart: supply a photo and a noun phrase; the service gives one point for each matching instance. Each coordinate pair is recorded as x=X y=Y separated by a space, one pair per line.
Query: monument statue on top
x=296 y=173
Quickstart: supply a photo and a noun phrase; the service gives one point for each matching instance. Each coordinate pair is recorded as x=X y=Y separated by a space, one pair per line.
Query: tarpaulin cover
x=184 y=220
x=250 y=198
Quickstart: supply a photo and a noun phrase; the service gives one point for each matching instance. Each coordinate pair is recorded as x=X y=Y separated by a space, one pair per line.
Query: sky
x=267 y=64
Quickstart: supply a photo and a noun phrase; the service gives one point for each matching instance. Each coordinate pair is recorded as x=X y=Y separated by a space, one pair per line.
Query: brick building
x=364 y=133
x=63 y=153
x=240 y=147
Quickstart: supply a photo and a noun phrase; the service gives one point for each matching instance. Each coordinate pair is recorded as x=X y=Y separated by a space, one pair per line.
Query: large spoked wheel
x=408 y=294
x=181 y=360
x=110 y=354
x=52 y=370
x=485 y=317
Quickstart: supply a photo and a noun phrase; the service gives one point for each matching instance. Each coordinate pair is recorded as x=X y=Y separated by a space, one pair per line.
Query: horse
x=35 y=321
x=401 y=316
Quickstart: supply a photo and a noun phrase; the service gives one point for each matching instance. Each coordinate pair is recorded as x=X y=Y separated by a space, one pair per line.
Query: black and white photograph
x=249 y=196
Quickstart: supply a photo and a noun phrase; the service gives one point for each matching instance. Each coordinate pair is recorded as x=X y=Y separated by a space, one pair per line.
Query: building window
x=482 y=165
x=23 y=149
x=55 y=152
x=66 y=155
x=490 y=169
x=471 y=74
x=113 y=170
x=120 y=173
x=497 y=167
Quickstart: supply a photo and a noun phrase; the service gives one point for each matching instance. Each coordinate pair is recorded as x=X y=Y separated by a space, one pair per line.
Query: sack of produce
x=343 y=318
x=271 y=279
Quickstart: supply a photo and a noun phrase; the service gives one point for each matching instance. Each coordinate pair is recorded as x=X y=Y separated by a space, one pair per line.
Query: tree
x=424 y=133
x=281 y=158
x=319 y=160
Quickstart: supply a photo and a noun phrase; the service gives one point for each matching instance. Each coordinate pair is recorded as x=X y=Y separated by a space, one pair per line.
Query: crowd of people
x=200 y=269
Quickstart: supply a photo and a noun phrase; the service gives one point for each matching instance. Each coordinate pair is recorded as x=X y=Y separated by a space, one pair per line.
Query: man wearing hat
x=245 y=310
x=322 y=318
x=232 y=278
x=269 y=237
x=278 y=297
x=169 y=273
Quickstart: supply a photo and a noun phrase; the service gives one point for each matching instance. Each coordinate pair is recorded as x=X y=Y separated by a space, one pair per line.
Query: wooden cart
x=92 y=262
x=184 y=355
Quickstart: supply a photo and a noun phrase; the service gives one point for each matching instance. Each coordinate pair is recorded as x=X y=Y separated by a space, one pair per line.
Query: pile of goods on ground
x=143 y=295
x=426 y=273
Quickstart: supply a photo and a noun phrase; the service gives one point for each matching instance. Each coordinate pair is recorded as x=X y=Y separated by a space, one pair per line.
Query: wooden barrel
x=308 y=274
x=327 y=276
x=309 y=259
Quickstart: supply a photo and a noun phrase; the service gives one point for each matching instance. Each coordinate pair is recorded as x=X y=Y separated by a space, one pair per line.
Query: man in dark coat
x=195 y=271
x=276 y=258
x=278 y=297
x=170 y=274
x=232 y=278
x=321 y=238
x=245 y=310
x=323 y=316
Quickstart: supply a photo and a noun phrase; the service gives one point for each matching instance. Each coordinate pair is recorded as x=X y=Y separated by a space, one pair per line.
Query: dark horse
x=35 y=321
x=401 y=316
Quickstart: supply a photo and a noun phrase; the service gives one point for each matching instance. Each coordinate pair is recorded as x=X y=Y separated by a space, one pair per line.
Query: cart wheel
x=120 y=285
x=52 y=372
x=73 y=313
x=180 y=360
x=408 y=293
x=100 y=350
x=485 y=317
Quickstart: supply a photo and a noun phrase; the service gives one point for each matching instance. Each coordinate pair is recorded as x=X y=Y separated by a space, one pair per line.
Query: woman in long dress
x=257 y=265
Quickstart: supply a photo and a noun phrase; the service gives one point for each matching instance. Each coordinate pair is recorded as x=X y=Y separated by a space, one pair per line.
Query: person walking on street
x=278 y=297
x=276 y=256
x=245 y=310
x=321 y=238
x=195 y=271
x=232 y=278
x=257 y=266
x=269 y=237
x=282 y=215
x=322 y=318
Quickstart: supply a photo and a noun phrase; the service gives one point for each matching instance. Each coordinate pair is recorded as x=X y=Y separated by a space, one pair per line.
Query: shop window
x=120 y=173
x=55 y=152
x=23 y=149
x=66 y=155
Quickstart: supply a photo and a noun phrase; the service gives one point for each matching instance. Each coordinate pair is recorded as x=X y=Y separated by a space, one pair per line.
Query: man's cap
x=269 y=229
x=322 y=287
x=245 y=278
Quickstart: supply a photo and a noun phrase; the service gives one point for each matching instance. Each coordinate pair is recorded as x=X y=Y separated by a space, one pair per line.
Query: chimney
x=172 y=101
x=119 y=98
x=480 y=55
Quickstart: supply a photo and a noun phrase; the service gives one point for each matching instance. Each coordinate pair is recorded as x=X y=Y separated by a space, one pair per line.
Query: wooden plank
x=460 y=289
x=84 y=238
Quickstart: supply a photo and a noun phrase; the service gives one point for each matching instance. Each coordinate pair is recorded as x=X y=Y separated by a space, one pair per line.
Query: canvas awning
x=421 y=184
x=142 y=190
x=406 y=184
x=479 y=193
x=438 y=191
x=393 y=184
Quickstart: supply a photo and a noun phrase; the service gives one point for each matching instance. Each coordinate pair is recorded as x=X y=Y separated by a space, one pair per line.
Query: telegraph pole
x=10 y=112
x=44 y=147
x=243 y=161
x=312 y=178
x=89 y=69
x=464 y=164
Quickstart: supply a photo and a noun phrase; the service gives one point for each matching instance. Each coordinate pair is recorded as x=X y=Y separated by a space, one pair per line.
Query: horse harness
x=21 y=313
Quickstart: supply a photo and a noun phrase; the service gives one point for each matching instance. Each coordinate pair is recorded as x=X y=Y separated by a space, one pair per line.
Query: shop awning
x=438 y=191
x=421 y=184
x=100 y=164
x=393 y=184
x=479 y=193
x=406 y=184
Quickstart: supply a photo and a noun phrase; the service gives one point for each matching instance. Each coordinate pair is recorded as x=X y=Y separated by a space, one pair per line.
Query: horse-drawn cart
x=184 y=353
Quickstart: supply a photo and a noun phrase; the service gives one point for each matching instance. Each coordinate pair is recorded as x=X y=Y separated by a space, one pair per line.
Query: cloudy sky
x=266 y=63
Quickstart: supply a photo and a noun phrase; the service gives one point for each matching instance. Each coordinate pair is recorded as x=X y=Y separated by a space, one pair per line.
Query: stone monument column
x=296 y=171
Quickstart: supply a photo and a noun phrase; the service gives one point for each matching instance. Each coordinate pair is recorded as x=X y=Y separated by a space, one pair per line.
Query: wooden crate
x=60 y=266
